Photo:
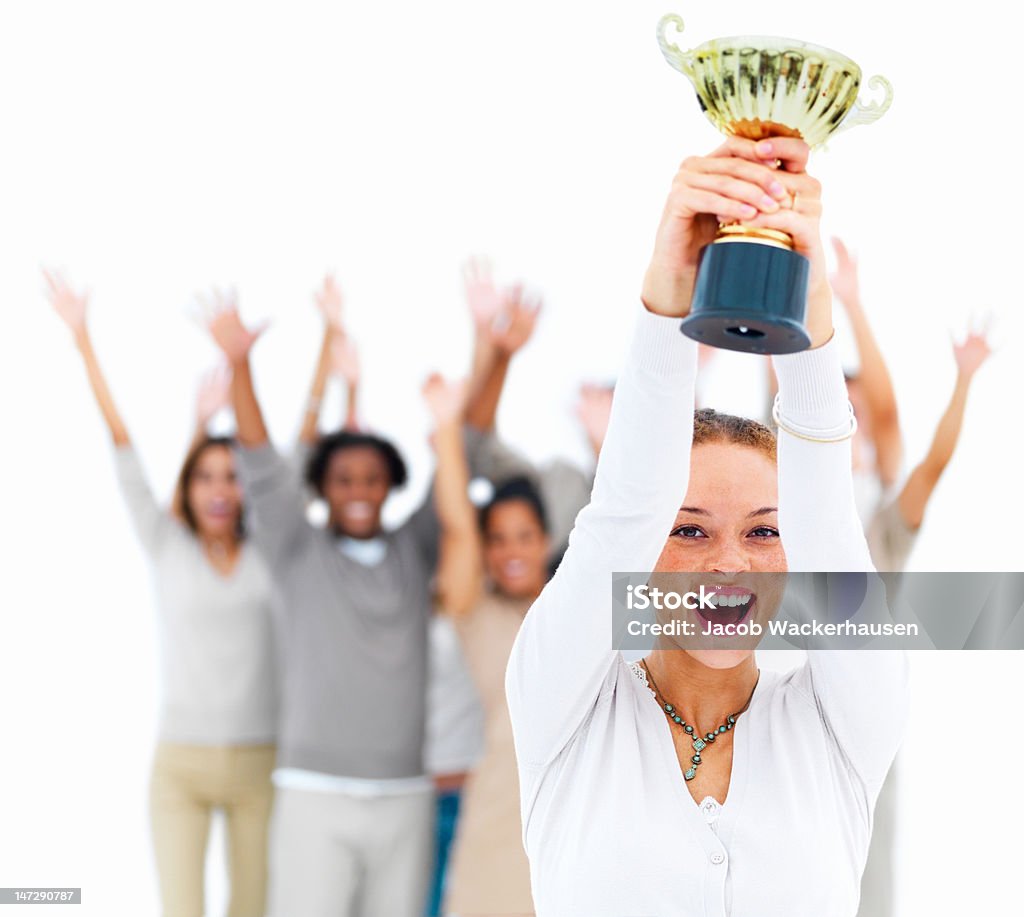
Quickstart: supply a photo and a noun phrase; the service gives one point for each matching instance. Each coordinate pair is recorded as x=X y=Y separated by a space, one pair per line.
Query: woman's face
x=515 y=549
x=728 y=527
x=214 y=494
x=355 y=486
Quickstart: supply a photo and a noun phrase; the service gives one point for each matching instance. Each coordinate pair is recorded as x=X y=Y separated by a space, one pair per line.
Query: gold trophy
x=751 y=287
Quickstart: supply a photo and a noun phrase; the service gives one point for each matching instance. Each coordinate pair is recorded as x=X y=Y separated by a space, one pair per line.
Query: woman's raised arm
x=271 y=488
x=861 y=695
x=563 y=656
x=72 y=307
x=150 y=521
x=460 y=562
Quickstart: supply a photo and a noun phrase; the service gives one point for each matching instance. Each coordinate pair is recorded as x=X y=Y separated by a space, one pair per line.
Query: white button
x=717 y=858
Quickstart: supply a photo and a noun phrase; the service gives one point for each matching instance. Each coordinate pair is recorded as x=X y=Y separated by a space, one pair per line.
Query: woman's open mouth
x=733 y=604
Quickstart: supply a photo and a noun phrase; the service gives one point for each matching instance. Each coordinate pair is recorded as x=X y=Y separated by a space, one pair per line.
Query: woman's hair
x=179 y=503
x=521 y=489
x=328 y=445
x=709 y=426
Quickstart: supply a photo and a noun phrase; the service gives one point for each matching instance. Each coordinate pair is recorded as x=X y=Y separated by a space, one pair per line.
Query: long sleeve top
x=354 y=644
x=608 y=824
x=219 y=683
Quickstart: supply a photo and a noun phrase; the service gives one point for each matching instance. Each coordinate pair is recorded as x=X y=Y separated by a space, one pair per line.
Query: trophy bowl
x=751 y=288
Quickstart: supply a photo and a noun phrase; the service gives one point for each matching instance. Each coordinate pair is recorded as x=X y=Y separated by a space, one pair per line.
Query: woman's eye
x=688 y=531
x=765 y=531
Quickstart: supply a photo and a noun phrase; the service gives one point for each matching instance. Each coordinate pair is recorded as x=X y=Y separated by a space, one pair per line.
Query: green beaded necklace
x=699 y=744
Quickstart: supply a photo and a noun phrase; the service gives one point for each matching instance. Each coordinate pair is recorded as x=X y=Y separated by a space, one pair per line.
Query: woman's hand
x=482 y=295
x=220 y=315
x=761 y=184
x=330 y=301
x=213 y=395
x=503 y=320
x=344 y=359
x=594 y=409
x=971 y=353
x=845 y=280
x=445 y=400
x=515 y=323
x=69 y=305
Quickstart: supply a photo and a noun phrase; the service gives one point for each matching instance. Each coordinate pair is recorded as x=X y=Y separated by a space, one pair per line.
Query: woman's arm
x=311 y=417
x=874 y=375
x=150 y=522
x=236 y=341
x=460 y=564
x=484 y=302
x=329 y=302
x=72 y=308
x=921 y=484
x=345 y=365
x=593 y=410
x=563 y=655
x=503 y=323
x=861 y=695
x=212 y=397
x=270 y=486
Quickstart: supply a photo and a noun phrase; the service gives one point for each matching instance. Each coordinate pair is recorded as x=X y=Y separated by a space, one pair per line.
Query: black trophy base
x=750 y=297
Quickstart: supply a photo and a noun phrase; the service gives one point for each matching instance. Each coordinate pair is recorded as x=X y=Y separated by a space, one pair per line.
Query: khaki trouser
x=334 y=855
x=190 y=781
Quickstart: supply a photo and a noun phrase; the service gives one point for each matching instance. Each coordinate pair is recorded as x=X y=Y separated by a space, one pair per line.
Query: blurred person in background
x=503 y=324
x=213 y=591
x=490 y=576
x=352 y=826
x=892 y=510
x=454 y=728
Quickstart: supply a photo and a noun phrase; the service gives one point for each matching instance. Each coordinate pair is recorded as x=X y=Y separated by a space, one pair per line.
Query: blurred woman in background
x=487 y=581
x=217 y=720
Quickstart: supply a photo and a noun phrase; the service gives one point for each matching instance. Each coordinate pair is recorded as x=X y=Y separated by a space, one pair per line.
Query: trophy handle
x=681 y=60
x=861 y=113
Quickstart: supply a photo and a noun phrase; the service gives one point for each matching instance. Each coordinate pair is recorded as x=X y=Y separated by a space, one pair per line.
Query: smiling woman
x=669 y=786
x=217 y=721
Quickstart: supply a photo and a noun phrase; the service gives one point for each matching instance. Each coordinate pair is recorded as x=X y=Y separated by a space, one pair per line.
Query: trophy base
x=751 y=297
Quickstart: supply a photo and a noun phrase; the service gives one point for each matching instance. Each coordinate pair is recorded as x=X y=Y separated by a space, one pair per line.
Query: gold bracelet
x=814 y=439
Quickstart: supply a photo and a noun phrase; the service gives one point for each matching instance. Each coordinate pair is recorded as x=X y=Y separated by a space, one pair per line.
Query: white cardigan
x=608 y=823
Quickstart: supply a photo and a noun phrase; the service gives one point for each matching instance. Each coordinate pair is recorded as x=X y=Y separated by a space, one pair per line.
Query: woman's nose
x=729 y=558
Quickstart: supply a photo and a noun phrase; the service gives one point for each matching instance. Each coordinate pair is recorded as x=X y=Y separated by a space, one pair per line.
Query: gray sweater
x=216 y=632
x=354 y=636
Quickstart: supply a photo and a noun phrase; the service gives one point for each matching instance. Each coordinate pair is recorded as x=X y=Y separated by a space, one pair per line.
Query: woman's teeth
x=730 y=601
x=730 y=607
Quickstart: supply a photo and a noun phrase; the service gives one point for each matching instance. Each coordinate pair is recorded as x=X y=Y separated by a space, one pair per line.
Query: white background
x=152 y=150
